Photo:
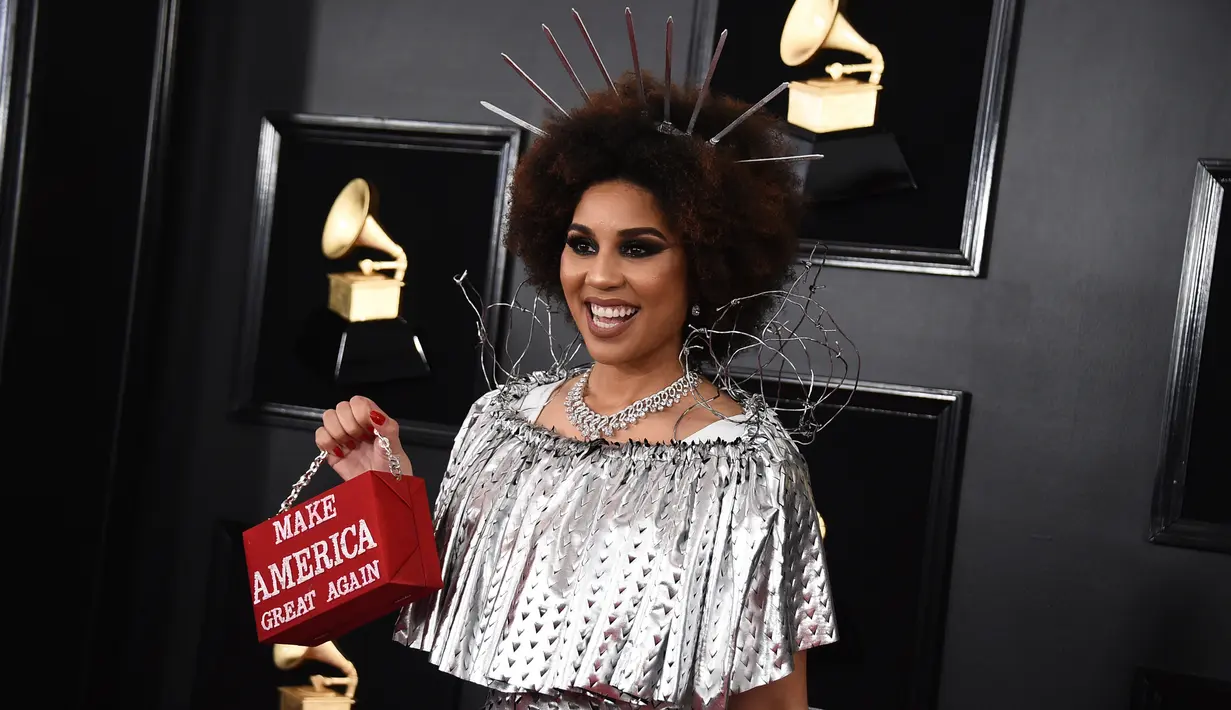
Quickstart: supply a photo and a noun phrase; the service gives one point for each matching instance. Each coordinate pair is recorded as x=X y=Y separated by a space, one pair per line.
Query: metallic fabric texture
x=604 y=575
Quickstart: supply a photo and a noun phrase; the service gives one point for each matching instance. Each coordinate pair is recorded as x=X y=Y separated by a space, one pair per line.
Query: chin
x=607 y=353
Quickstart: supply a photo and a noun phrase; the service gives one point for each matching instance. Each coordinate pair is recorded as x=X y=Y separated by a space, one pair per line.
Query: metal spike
x=705 y=86
x=533 y=85
x=751 y=110
x=593 y=50
x=632 y=43
x=564 y=60
x=524 y=124
x=782 y=158
x=667 y=75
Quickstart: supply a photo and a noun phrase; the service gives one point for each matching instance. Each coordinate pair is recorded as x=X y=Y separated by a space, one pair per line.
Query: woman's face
x=624 y=276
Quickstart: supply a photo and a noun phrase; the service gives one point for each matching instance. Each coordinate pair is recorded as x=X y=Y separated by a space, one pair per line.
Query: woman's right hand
x=346 y=435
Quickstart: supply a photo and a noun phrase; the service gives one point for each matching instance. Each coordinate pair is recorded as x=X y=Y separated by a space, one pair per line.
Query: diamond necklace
x=592 y=425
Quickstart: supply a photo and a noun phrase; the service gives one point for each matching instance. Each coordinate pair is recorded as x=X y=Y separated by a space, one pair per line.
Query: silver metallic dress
x=621 y=575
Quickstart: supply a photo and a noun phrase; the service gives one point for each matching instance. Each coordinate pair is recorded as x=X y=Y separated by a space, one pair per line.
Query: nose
x=605 y=271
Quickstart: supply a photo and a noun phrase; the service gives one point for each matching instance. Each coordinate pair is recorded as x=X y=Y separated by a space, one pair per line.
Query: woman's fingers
x=354 y=421
x=376 y=418
x=361 y=408
x=333 y=424
x=388 y=428
x=326 y=442
x=350 y=422
x=370 y=416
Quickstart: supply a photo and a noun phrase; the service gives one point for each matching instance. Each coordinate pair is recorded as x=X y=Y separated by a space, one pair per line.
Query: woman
x=628 y=535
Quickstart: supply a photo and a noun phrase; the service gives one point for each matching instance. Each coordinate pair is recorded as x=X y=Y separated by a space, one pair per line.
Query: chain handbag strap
x=395 y=467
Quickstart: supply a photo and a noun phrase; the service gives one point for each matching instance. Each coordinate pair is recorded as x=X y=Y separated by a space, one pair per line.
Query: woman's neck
x=614 y=387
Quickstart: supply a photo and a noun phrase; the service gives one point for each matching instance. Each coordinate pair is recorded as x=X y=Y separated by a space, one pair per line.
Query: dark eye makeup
x=631 y=247
x=583 y=246
x=639 y=248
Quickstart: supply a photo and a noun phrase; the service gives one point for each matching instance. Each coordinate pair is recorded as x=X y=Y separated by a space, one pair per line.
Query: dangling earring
x=696 y=309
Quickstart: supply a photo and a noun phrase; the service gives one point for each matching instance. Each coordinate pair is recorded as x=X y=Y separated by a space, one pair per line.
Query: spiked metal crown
x=665 y=126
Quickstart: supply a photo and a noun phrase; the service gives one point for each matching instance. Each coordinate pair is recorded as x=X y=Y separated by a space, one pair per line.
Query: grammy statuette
x=362 y=336
x=365 y=294
x=317 y=696
x=835 y=115
x=839 y=102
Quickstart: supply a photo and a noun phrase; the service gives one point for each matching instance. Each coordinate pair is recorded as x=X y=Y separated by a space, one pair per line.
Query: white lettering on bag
x=349 y=583
x=304 y=519
x=283 y=613
x=352 y=541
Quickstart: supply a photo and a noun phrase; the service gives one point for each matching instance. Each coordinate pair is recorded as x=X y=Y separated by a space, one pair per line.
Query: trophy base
x=368 y=351
x=358 y=297
x=828 y=105
x=856 y=164
x=305 y=697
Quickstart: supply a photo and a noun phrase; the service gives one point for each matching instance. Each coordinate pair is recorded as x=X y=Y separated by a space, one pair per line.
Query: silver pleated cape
x=660 y=575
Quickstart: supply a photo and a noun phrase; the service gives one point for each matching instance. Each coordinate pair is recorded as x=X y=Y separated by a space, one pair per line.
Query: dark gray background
x=1055 y=595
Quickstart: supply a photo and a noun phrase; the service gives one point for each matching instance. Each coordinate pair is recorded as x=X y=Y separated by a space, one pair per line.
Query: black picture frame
x=954 y=211
x=8 y=36
x=17 y=21
x=1156 y=689
x=442 y=195
x=1192 y=496
x=880 y=546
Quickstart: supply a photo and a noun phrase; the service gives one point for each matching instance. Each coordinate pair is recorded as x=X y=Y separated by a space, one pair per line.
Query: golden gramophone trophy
x=833 y=114
x=319 y=695
x=837 y=102
x=362 y=337
x=365 y=294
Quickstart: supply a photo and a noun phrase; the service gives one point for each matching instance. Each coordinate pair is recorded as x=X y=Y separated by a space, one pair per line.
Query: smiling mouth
x=611 y=317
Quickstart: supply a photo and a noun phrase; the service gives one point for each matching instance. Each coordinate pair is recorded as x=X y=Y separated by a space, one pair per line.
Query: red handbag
x=342 y=559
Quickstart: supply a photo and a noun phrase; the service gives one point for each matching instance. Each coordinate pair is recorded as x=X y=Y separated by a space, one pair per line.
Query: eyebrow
x=623 y=233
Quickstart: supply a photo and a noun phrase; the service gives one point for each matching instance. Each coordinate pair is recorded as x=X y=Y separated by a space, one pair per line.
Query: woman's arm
x=789 y=693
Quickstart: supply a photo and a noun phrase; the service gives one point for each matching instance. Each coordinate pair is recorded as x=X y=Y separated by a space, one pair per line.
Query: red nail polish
x=351 y=444
x=378 y=418
x=337 y=451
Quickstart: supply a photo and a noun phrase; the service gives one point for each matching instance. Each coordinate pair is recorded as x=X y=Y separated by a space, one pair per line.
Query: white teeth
x=612 y=311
